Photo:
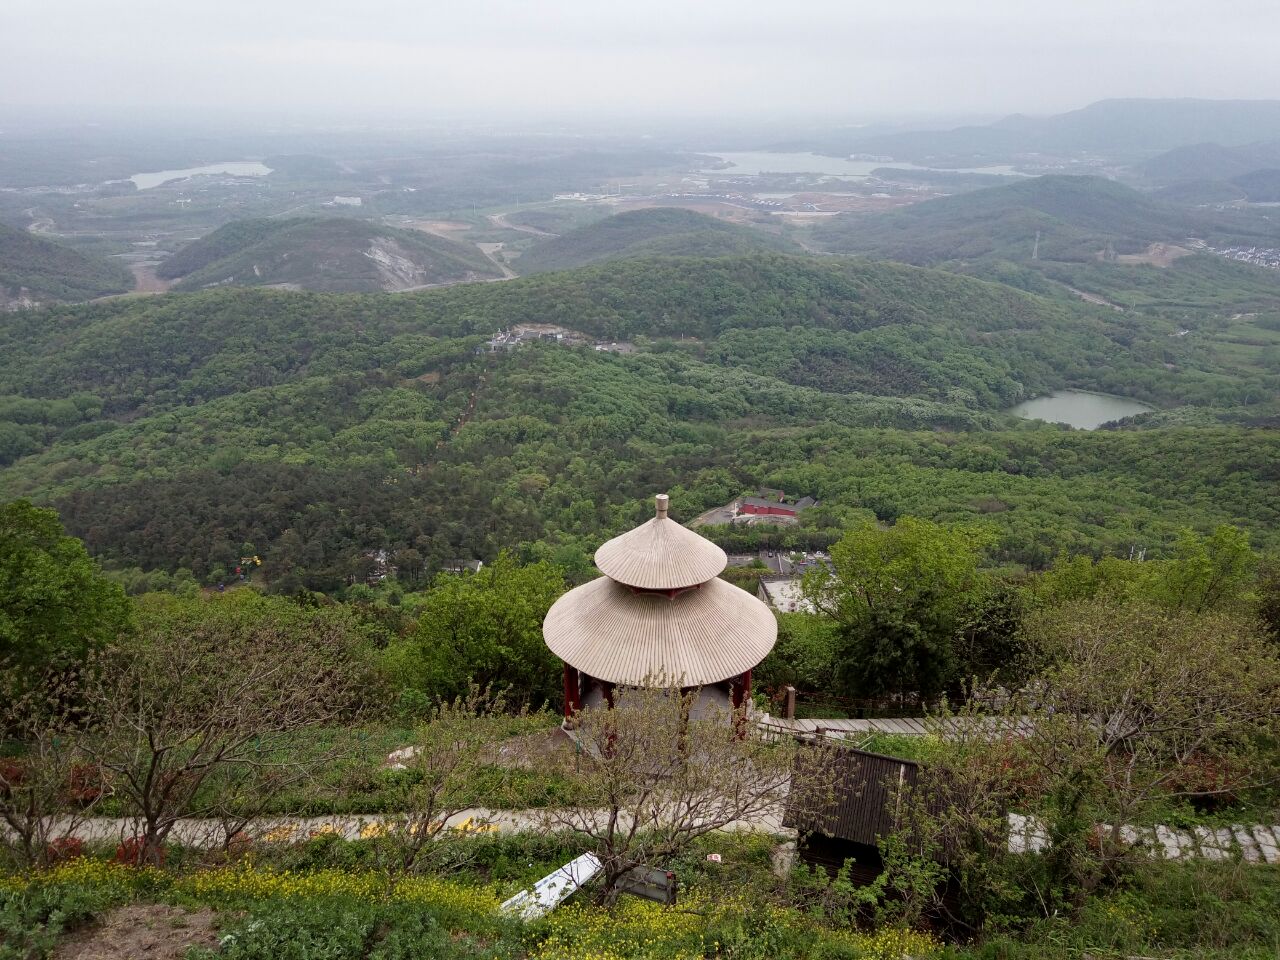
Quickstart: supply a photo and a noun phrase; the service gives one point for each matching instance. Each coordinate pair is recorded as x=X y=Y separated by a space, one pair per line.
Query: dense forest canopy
x=319 y=428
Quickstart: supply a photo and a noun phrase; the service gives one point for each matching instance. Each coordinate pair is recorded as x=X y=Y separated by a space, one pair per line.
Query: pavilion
x=659 y=615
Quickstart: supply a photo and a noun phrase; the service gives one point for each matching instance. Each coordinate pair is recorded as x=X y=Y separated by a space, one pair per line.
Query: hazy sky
x=843 y=58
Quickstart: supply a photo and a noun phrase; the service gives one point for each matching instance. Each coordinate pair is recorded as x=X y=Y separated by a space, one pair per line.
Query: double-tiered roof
x=660 y=612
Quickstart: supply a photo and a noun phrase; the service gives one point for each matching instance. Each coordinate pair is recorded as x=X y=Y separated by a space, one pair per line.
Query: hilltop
x=1211 y=161
x=323 y=254
x=1076 y=218
x=1098 y=239
x=34 y=270
x=658 y=231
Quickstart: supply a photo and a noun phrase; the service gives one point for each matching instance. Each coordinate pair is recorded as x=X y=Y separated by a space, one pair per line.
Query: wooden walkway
x=854 y=729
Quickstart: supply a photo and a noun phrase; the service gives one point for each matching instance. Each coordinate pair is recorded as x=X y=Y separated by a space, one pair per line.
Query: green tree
x=218 y=688
x=1208 y=573
x=1133 y=706
x=1216 y=572
x=1269 y=598
x=483 y=628
x=55 y=604
x=900 y=596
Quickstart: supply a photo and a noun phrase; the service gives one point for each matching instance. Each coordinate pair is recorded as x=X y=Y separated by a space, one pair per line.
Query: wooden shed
x=864 y=805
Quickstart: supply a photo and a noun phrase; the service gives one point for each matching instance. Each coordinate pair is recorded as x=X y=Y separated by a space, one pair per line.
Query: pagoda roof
x=660 y=554
x=699 y=636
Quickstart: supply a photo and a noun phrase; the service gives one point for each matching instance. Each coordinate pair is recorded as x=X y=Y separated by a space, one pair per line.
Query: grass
x=1179 y=911
x=357 y=780
x=919 y=748
x=323 y=898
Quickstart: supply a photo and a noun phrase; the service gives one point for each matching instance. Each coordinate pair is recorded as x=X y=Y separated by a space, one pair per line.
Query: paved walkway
x=208 y=832
x=1253 y=844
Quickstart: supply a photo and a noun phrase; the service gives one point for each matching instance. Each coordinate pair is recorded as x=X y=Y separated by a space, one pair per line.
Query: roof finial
x=662 y=500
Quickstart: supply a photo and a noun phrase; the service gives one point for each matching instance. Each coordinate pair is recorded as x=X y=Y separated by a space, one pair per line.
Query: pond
x=760 y=162
x=1079 y=408
x=234 y=168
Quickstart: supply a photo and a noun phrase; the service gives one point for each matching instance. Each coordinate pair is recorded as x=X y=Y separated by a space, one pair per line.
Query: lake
x=1079 y=408
x=756 y=163
x=234 y=168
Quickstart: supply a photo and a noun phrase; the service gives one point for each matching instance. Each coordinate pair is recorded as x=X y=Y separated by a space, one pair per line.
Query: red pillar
x=572 y=692
x=740 y=689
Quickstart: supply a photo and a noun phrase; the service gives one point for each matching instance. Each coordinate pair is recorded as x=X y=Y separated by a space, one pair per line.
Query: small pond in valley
x=1079 y=408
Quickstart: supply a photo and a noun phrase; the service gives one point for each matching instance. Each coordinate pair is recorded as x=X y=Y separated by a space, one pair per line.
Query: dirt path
x=39 y=225
x=500 y=220
x=1095 y=299
x=491 y=251
x=446 y=229
x=450 y=230
x=145 y=279
x=1156 y=255
x=156 y=931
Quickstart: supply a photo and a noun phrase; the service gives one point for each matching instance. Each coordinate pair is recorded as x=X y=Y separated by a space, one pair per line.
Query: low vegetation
x=210 y=712
x=659 y=231
x=34 y=270
x=326 y=254
x=1064 y=236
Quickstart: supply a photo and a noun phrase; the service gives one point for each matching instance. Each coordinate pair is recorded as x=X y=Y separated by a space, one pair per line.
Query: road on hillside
x=500 y=220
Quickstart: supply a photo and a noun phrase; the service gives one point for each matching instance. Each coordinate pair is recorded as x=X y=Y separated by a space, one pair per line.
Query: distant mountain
x=1129 y=128
x=1141 y=125
x=1200 y=192
x=34 y=270
x=660 y=231
x=1075 y=218
x=1211 y=161
x=325 y=254
x=1260 y=186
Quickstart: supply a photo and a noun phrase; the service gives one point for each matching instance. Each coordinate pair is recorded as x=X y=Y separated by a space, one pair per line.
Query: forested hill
x=835 y=324
x=659 y=231
x=325 y=254
x=1076 y=219
x=1211 y=161
x=1077 y=237
x=171 y=430
x=38 y=270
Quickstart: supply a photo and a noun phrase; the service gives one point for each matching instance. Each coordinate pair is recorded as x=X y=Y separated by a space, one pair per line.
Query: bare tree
x=461 y=741
x=1133 y=705
x=242 y=793
x=186 y=698
x=48 y=786
x=1129 y=706
x=654 y=776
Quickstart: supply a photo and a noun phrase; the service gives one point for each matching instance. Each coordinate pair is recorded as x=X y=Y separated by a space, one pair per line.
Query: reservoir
x=234 y=168
x=756 y=163
x=1079 y=408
